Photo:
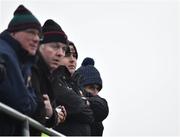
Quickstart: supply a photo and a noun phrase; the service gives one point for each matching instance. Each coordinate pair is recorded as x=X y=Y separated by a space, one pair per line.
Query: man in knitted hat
x=91 y=82
x=53 y=45
x=18 y=45
x=52 y=49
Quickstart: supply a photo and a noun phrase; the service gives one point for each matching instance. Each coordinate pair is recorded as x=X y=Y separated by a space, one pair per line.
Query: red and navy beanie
x=52 y=32
x=89 y=73
x=23 y=19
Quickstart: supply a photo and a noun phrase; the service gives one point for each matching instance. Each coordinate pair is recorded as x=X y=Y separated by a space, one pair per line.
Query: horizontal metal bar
x=14 y=113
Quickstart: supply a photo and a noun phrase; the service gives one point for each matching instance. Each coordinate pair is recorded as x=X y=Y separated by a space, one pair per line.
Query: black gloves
x=77 y=78
x=76 y=83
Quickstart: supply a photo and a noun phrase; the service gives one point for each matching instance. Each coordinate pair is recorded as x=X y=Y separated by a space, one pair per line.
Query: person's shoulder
x=63 y=72
x=4 y=46
x=7 y=53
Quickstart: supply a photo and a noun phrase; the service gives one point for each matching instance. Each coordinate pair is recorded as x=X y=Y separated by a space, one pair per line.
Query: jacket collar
x=42 y=64
x=22 y=54
x=63 y=71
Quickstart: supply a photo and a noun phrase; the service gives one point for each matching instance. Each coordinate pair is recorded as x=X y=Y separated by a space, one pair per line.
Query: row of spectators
x=38 y=77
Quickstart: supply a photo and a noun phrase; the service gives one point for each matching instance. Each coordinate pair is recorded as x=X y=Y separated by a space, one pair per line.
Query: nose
x=72 y=59
x=96 y=91
x=36 y=38
x=60 y=52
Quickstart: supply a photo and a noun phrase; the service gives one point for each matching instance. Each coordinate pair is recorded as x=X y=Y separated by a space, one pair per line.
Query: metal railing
x=28 y=121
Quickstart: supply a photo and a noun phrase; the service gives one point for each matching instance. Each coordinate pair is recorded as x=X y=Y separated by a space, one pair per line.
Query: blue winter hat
x=90 y=74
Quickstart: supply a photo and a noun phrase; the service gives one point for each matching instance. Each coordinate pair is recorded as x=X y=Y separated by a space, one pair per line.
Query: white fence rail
x=28 y=121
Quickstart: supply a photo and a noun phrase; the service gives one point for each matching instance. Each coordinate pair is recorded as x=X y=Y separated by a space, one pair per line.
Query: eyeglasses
x=57 y=46
x=33 y=32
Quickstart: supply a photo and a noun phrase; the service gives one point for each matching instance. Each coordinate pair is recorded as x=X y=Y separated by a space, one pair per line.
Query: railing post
x=25 y=128
x=26 y=121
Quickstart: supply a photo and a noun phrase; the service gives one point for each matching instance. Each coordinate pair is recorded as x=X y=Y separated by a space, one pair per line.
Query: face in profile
x=70 y=60
x=29 y=39
x=53 y=53
x=93 y=89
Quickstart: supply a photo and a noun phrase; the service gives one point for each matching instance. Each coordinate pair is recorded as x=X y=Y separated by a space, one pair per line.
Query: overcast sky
x=135 y=47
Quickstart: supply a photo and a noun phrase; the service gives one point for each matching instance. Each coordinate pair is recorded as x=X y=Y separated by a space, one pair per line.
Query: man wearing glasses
x=18 y=46
x=52 y=49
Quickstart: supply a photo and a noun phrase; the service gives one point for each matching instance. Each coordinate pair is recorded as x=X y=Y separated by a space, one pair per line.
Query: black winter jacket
x=79 y=114
x=42 y=85
x=101 y=110
x=99 y=106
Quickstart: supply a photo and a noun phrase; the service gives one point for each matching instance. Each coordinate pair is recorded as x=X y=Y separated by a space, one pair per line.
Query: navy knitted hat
x=52 y=32
x=90 y=74
x=23 y=19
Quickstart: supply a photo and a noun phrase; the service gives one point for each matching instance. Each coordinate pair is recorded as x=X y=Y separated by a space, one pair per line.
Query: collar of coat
x=22 y=54
x=62 y=71
x=42 y=65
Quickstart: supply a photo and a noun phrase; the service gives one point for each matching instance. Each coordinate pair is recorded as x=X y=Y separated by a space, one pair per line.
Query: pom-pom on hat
x=89 y=73
x=23 y=19
x=87 y=61
x=52 y=32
